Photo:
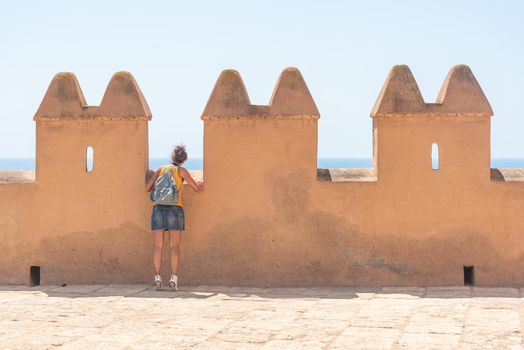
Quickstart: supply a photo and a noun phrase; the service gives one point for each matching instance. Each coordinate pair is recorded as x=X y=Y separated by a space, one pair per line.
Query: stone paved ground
x=137 y=317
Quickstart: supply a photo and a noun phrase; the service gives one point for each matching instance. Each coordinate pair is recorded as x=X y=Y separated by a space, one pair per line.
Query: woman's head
x=179 y=155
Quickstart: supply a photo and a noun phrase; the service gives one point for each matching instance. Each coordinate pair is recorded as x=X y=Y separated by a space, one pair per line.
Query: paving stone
x=207 y=317
x=24 y=288
x=366 y=338
x=331 y=314
x=92 y=344
x=487 y=337
x=225 y=345
x=122 y=289
x=495 y=292
x=448 y=288
x=243 y=334
x=312 y=329
x=429 y=341
x=430 y=325
x=294 y=345
x=403 y=290
x=399 y=295
x=76 y=289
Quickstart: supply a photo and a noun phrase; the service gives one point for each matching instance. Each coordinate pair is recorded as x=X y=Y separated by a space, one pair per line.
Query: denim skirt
x=167 y=217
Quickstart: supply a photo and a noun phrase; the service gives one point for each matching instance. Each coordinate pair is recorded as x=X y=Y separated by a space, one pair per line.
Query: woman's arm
x=151 y=182
x=185 y=175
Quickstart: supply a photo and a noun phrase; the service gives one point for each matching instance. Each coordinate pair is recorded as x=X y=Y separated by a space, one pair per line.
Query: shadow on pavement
x=253 y=293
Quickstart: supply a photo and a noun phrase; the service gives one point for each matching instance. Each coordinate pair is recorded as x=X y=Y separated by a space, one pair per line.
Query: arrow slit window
x=89 y=159
x=434 y=156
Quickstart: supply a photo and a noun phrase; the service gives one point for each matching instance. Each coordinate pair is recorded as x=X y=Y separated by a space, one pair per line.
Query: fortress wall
x=81 y=226
x=15 y=208
x=239 y=232
x=459 y=123
x=405 y=148
x=411 y=225
x=94 y=220
x=267 y=215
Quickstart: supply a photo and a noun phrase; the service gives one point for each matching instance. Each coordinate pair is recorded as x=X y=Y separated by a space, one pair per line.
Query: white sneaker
x=173 y=283
x=158 y=282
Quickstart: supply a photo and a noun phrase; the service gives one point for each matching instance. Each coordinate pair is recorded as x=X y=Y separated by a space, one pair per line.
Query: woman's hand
x=200 y=186
x=197 y=187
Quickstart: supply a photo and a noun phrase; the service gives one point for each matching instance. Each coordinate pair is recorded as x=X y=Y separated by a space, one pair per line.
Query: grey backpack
x=165 y=191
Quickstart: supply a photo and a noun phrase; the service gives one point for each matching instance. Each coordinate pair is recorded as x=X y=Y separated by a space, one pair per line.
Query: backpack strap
x=171 y=172
x=175 y=168
x=166 y=167
x=174 y=182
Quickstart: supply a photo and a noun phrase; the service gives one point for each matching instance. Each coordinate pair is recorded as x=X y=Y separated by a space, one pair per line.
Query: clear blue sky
x=176 y=50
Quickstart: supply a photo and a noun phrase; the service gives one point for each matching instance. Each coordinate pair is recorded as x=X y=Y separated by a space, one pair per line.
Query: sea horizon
x=197 y=163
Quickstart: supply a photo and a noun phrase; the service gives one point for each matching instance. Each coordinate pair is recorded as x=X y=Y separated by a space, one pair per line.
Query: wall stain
x=116 y=255
x=299 y=245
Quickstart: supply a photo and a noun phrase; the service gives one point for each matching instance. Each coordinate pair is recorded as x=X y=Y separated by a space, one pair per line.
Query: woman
x=170 y=218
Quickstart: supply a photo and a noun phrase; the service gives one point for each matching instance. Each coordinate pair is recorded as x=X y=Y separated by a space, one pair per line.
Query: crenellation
x=124 y=99
x=400 y=95
x=64 y=100
x=291 y=99
x=291 y=96
x=460 y=95
x=229 y=97
x=268 y=216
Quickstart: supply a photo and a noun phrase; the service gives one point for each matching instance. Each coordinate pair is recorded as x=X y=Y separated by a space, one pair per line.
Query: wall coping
x=260 y=116
x=323 y=175
x=16 y=176
x=507 y=174
x=430 y=114
x=347 y=175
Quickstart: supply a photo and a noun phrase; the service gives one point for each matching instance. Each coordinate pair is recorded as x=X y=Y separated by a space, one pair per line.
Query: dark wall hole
x=34 y=275
x=469 y=275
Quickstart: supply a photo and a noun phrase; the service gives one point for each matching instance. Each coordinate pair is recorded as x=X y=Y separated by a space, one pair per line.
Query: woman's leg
x=158 y=236
x=174 y=241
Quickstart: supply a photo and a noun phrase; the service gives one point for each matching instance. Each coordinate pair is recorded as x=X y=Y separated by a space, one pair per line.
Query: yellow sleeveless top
x=176 y=177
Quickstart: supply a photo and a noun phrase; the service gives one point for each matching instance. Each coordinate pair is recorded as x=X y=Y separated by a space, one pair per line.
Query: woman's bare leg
x=174 y=242
x=158 y=236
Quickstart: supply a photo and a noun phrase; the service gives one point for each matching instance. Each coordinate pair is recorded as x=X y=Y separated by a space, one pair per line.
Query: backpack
x=165 y=191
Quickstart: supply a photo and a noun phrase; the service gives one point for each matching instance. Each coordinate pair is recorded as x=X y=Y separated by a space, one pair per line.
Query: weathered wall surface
x=267 y=216
x=81 y=226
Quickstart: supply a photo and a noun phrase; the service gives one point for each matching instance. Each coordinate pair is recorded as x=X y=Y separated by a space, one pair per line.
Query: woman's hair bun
x=179 y=154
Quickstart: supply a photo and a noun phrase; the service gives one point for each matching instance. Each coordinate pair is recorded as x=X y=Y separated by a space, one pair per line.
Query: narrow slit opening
x=89 y=159
x=469 y=275
x=434 y=156
x=34 y=276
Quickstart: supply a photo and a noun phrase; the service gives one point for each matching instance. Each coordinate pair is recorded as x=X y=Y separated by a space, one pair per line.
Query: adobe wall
x=267 y=215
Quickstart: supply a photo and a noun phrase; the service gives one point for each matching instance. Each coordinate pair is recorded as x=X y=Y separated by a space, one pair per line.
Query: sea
x=197 y=163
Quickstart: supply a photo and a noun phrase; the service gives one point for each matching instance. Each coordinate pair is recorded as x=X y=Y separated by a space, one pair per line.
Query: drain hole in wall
x=469 y=275
x=34 y=275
